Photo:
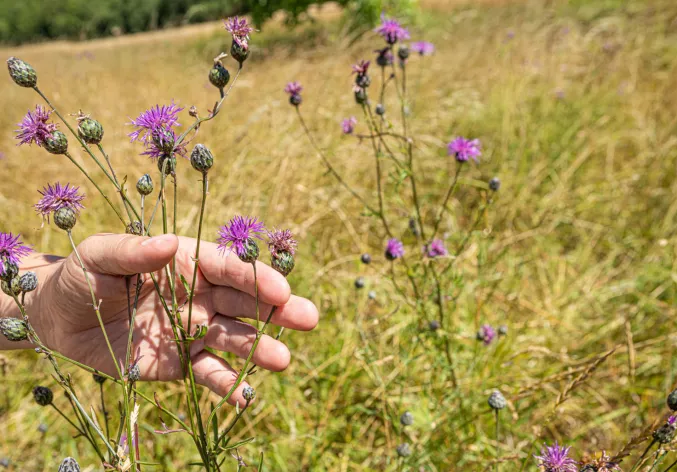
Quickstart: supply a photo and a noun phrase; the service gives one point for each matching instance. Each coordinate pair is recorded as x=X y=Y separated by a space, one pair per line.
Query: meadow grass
x=575 y=105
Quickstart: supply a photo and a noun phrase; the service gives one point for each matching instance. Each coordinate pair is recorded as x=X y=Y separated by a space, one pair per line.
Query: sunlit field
x=575 y=104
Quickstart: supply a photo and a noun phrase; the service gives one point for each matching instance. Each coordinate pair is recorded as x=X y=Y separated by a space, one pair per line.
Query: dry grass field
x=576 y=106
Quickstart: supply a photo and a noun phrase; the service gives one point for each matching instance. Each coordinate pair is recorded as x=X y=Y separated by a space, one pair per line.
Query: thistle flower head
x=21 y=72
x=11 y=251
x=348 y=125
x=240 y=30
x=281 y=240
x=69 y=465
x=496 y=400
x=556 y=459
x=35 y=128
x=423 y=48
x=391 y=30
x=163 y=143
x=57 y=196
x=464 y=149
x=293 y=88
x=486 y=334
x=394 y=249
x=154 y=119
x=361 y=67
x=237 y=233
x=436 y=248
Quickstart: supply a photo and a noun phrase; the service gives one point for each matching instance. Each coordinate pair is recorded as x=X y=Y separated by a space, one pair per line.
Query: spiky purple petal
x=59 y=196
x=240 y=30
x=391 y=30
x=235 y=234
x=154 y=119
x=34 y=128
x=281 y=241
x=464 y=149
x=556 y=459
x=12 y=250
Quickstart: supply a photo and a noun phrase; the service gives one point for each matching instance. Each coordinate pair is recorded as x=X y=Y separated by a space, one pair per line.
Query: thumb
x=126 y=254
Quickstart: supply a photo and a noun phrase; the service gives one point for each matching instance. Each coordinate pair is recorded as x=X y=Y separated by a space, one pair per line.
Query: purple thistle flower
x=293 y=88
x=281 y=241
x=423 y=48
x=394 y=249
x=348 y=125
x=240 y=30
x=486 y=334
x=436 y=248
x=34 y=127
x=12 y=250
x=391 y=30
x=556 y=459
x=361 y=67
x=153 y=120
x=464 y=149
x=235 y=234
x=57 y=197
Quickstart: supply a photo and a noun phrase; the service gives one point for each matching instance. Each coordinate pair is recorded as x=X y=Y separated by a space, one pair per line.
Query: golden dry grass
x=575 y=106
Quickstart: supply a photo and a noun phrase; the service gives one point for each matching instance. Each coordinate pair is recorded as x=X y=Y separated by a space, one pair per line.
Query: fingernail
x=159 y=241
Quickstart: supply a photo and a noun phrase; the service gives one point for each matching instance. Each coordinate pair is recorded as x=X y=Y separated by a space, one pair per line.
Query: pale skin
x=61 y=309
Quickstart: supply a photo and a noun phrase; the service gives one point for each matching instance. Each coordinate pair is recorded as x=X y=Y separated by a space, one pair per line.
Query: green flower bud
x=403 y=53
x=11 y=271
x=497 y=401
x=65 y=218
x=21 y=72
x=361 y=96
x=248 y=393
x=11 y=288
x=145 y=185
x=404 y=450
x=201 y=158
x=57 y=143
x=407 y=419
x=666 y=433
x=239 y=53
x=672 y=400
x=43 y=395
x=90 y=131
x=134 y=373
x=170 y=168
x=219 y=75
x=283 y=262
x=14 y=329
x=295 y=99
x=28 y=282
x=69 y=465
x=251 y=251
x=134 y=228
x=164 y=140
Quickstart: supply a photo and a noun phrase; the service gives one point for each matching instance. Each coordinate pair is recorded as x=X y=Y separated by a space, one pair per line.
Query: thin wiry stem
x=191 y=295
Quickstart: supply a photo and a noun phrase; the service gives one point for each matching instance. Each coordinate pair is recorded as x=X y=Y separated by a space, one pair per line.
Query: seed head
x=90 y=130
x=21 y=72
x=219 y=75
x=248 y=393
x=13 y=329
x=239 y=235
x=12 y=287
x=28 y=281
x=497 y=401
x=407 y=419
x=404 y=450
x=359 y=282
x=495 y=184
x=201 y=158
x=145 y=185
x=464 y=149
x=43 y=396
x=366 y=258
x=394 y=249
x=666 y=433
x=65 y=218
x=69 y=465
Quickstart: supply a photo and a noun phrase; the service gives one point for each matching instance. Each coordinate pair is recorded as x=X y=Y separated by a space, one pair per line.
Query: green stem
x=191 y=295
x=451 y=190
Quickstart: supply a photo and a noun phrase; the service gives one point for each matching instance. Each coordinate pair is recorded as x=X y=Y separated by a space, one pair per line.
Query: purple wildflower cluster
x=57 y=196
x=12 y=250
x=35 y=127
x=154 y=130
x=556 y=459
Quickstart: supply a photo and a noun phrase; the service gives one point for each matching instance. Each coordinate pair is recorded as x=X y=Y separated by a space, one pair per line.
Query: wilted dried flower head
x=556 y=459
x=348 y=125
x=361 y=67
x=236 y=234
x=35 y=128
x=153 y=120
x=391 y=30
x=464 y=149
x=281 y=241
x=423 y=48
x=59 y=196
x=12 y=250
x=240 y=30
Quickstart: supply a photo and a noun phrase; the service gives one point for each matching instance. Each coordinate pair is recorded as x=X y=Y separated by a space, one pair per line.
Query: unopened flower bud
x=666 y=433
x=434 y=325
x=170 y=167
x=361 y=96
x=42 y=428
x=28 y=281
x=43 y=396
x=134 y=373
x=145 y=185
x=248 y=393
x=403 y=450
x=21 y=72
x=65 y=218
x=295 y=99
x=239 y=52
x=371 y=295
x=497 y=400
x=99 y=378
x=56 y=143
x=363 y=80
x=90 y=131
x=380 y=109
x=219 y=75
x=164 y=139
x=672 y=400
x=403 y=53
x=13 y=329
x=407 y=419
x=134 y=228
x=69 y=465
x=201 y=158
x=494 y=184
x=11 y=270
x=366 y=258
x=12 y=287
x=283 y=262
x=503 y=330
x=251 y=251
x=359 y=282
